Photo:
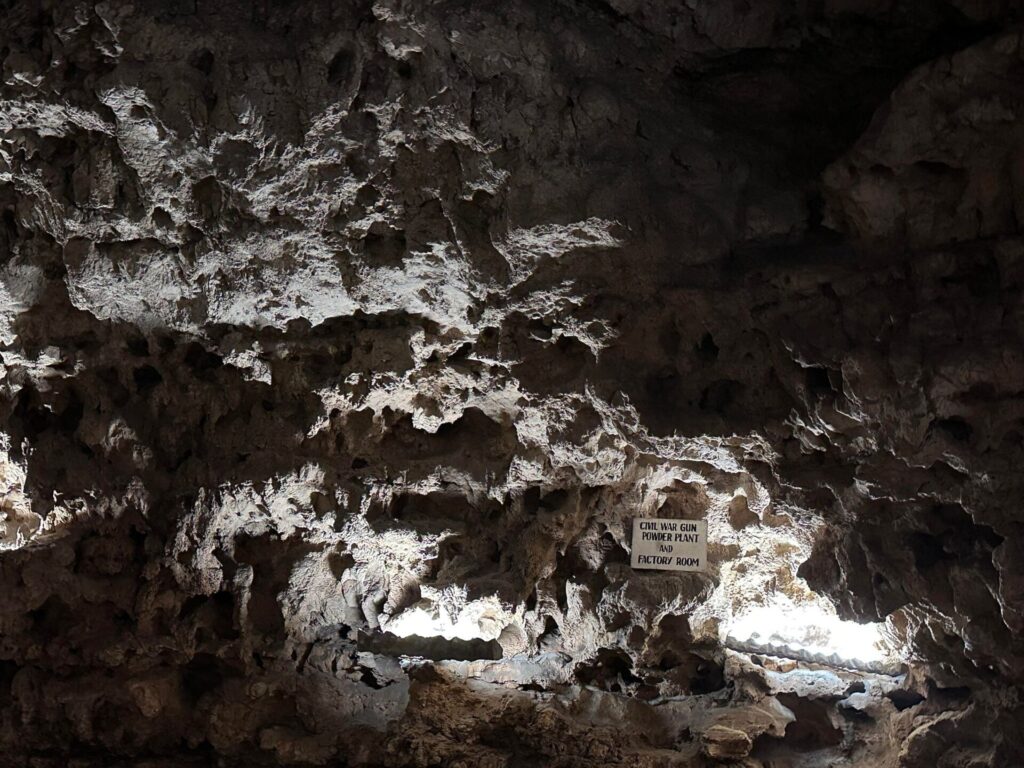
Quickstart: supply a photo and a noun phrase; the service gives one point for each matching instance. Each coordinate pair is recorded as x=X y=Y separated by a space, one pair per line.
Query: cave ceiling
x=341 y=343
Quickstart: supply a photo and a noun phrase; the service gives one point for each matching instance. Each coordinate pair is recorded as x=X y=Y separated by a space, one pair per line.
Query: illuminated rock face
x=342 y=343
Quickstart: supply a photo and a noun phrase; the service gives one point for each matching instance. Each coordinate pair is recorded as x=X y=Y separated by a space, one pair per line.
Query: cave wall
x=321 y=318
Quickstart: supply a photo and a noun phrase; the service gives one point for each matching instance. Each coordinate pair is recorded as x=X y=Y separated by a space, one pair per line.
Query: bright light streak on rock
x=481 y=619
x=810 y=630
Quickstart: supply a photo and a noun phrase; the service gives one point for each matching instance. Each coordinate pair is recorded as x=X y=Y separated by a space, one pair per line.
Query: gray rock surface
x=341 y=342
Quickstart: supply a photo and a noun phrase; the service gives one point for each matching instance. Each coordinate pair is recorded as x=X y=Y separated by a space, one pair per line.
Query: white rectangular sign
x=670 y=545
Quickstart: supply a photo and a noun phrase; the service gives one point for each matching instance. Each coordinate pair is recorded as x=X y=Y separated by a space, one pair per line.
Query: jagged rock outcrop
x=342 y=342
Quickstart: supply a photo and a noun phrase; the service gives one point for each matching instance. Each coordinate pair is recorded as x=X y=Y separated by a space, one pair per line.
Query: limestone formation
x=342 y=342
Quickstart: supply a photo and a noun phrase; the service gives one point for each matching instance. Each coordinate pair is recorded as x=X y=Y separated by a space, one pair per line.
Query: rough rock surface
x=342 y=341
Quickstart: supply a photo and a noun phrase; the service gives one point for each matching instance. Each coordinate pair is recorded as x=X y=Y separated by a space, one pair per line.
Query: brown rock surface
x=341 y=342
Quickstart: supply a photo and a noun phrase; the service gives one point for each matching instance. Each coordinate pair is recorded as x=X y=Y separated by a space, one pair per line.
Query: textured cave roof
x=317 y=314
